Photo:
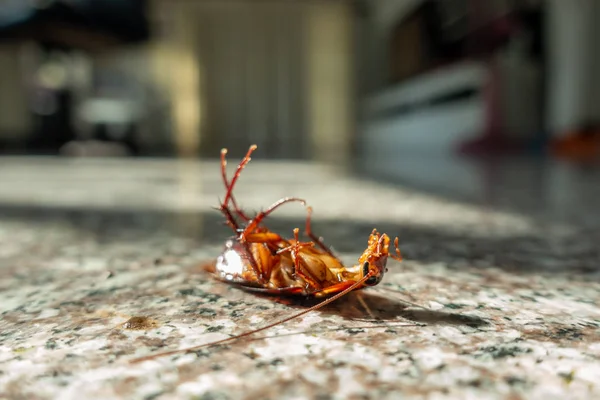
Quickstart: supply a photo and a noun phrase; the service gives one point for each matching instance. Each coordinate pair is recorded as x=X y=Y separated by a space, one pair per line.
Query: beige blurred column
x=15 y=118
x=330 y=86
x=177 y=69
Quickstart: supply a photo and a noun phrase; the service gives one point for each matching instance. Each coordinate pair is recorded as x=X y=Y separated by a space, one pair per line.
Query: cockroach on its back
x=260 y=260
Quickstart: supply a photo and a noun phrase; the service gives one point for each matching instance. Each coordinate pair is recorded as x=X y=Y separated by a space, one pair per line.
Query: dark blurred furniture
x=87 y=25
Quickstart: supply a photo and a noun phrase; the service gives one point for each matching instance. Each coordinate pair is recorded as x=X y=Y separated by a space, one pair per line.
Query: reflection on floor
x=532 y=186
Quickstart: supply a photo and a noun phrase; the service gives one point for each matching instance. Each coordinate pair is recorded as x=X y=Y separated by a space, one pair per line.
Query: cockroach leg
x=398 y=255
x=230 y=220
x=263 y=214
x=237 y=210
x=299 y=268
x=347 y=290
x=294 y=249
x=313 y=237
x=342 y=286
x=238 y=171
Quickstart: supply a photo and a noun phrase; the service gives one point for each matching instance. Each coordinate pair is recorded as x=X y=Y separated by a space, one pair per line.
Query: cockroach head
x=374 y=259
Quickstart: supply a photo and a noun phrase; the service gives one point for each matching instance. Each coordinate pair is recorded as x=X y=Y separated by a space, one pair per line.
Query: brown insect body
x=260 y=260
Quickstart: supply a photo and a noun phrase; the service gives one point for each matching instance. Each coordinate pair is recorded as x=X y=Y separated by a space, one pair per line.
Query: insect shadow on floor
x=370 y=307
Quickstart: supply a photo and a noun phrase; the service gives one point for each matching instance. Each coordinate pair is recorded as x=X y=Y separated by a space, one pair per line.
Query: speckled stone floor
x=99 y=264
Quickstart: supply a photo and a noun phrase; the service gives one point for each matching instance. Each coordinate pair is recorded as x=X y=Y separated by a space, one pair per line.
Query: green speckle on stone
x=20 y=350
x=51 y=344
x=567 y=377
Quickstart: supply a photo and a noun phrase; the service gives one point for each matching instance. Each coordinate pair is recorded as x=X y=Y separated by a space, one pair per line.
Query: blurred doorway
x=251 y=54
x=278 y=74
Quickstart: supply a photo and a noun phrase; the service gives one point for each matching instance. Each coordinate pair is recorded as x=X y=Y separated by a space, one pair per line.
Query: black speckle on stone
x=334 y=364
x=202 y=353
x=212 y=395
x=532 y=299
x=471 y=321
x=262 y=308
x=153 y=396
x=231 y=304
x=191 y=292
x=236 y=313
x=474 y=383
x=216 y=367
x=569 y=333
x=454 y=306
x=77 y=303
x=354 y=331
x=207 y=297
x=51 y=344
x=504 y=351
x=514 y=380
x=207 y=312
x=102 y=292
x=215 y=328
x=276 y=361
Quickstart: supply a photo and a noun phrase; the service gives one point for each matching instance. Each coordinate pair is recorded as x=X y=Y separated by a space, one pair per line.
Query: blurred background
x=455 y=96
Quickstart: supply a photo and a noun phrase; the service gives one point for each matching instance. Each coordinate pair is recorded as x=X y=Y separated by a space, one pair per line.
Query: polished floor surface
x=99 y=264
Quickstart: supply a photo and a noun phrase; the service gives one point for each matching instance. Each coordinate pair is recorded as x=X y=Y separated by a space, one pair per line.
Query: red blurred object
x=582 y=145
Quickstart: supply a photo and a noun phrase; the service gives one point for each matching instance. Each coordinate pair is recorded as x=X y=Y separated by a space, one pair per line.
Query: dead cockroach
x=257 y=259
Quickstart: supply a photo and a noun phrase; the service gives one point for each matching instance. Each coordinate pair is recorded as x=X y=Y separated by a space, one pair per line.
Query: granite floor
x=99 y=264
